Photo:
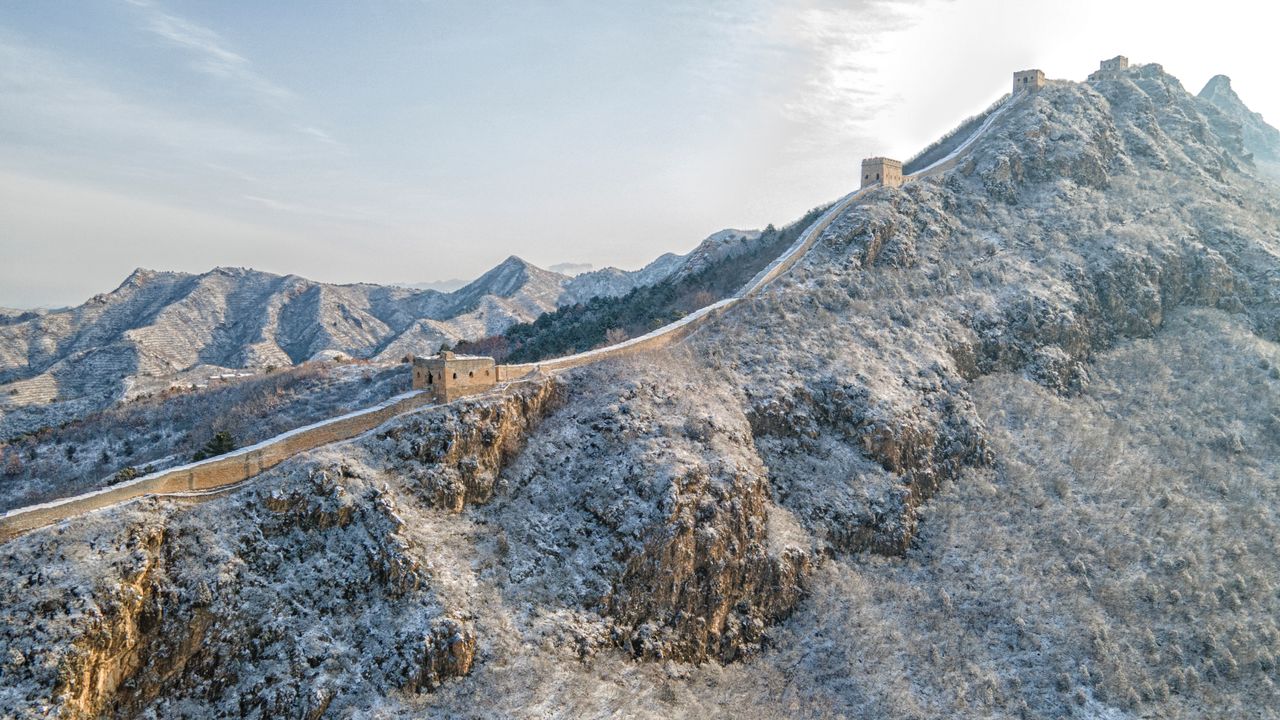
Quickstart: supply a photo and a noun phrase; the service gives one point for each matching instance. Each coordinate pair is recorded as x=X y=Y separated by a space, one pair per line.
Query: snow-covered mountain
x=1260 y=139
x=158 y=328
x=1005 y=443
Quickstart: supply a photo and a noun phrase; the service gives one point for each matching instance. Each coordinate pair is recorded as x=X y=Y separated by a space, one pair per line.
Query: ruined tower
x=881 y=170
x=447 y=376
x=1111 y=69
x=1029 y=80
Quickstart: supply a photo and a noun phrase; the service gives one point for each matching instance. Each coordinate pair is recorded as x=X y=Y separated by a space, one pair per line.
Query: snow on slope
x=1002 y=444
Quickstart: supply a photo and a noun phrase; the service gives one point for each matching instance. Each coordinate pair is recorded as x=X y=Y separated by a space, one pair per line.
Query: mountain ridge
x=158 y=328
x=1003 y=443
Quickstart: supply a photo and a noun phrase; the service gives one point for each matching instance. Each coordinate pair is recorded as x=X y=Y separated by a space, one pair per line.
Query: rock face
x=1003 y=444
x=453 y=459
x=179 y=611
x=670 y=538
x=1259 y=138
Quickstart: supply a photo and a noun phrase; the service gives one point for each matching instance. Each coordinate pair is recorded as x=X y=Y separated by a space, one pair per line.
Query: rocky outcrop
x=237 y=603
x=901 y=391
x=454 y=459
x=705 y=586
x=167 y=628
x=448 y=651
x=1259 y=138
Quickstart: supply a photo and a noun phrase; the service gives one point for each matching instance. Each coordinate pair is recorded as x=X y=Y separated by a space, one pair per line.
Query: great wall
x=210 y=478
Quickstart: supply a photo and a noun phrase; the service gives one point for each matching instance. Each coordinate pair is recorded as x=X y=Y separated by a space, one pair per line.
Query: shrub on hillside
x=220 y=444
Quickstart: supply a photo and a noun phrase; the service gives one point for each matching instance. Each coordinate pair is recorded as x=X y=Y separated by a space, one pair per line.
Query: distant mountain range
x=160 y=328
x=571 y=268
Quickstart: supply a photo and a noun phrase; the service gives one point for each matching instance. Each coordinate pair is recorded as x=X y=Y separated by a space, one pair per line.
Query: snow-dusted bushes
x=168 y=429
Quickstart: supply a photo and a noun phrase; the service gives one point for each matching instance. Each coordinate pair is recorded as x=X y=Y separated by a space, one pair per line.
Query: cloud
x=841 y=89
x=212 y=56
x=53 y=105
x=319 y=135
x=366 y=217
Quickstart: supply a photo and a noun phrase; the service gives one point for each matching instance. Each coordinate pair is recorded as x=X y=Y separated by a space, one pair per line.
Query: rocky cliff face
x=178 y=611
x=1003 y=444
x=1259 y=138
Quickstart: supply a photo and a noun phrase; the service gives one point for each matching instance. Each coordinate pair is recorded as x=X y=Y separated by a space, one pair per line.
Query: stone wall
x=214 y=473
x=227 y=470
x=682 y=328
x=657 y=339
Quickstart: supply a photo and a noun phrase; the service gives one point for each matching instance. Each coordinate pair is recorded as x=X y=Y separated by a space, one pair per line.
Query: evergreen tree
x=220 y=444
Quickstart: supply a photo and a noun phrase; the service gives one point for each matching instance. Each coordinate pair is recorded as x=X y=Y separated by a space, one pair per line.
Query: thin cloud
x=54 y=106
x=212 y=56
x=346 y=214
x=841 y=89
x=319 y=135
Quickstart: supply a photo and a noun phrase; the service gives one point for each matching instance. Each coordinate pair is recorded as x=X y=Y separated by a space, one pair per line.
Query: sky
x=404 y=141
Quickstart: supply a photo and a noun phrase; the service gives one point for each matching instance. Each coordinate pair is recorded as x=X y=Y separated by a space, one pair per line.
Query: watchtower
x=882 y=170
x=448 y=377
x=1029 y=80
x=1108 y=69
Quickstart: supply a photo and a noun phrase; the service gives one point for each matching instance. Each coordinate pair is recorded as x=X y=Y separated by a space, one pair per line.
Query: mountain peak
x=1218 y=84
x=503 y=280
x=139 y=276
x=514 y=261
x=1259 y=138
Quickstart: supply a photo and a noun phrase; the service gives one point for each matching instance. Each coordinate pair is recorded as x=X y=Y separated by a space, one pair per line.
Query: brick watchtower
x=1028 y=80
x=1111 y=69
x=448 y=377
x=881 y=170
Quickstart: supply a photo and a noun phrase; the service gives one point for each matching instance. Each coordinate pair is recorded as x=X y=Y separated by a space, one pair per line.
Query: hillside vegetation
x=1002 y=444
x=605 y=320
x=170 y=428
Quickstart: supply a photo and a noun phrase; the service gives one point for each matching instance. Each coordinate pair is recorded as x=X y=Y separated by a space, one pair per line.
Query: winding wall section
x=201 y=479
x=208 y=478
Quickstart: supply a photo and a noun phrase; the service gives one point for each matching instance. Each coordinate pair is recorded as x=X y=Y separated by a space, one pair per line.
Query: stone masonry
x=881 y=170
x=1028 y=80
x=1111 y=69
x=447 y=376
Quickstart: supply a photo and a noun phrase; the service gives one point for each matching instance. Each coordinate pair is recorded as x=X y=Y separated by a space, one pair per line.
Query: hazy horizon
x=397 y=142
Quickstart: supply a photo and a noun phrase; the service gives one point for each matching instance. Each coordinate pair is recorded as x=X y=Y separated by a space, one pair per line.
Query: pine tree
x=221 y=444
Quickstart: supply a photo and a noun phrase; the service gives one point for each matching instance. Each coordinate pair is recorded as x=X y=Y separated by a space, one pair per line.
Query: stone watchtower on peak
x=881 y=170
x=1110 y=69
x=1028 y=80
